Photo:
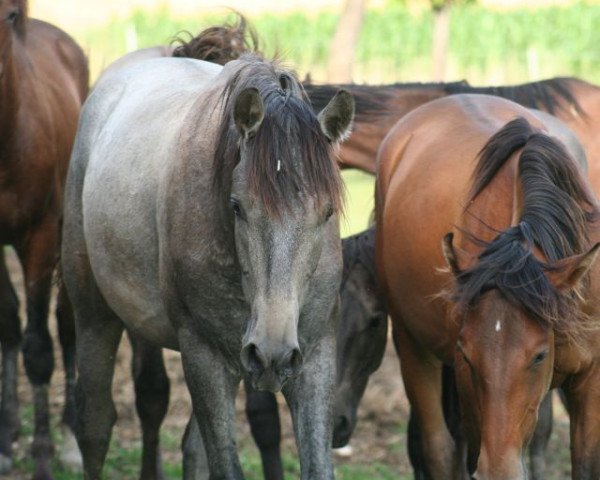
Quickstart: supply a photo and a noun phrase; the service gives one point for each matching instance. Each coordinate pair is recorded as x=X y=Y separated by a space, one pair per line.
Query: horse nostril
x=296 y=359
x=291 y=363
x=253 y=359
x=342 y=430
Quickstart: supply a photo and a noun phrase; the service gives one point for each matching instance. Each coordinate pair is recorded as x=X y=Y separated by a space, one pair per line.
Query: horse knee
x=96 y=414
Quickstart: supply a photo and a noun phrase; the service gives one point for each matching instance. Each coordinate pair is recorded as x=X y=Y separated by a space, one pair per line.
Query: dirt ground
x=379 y=438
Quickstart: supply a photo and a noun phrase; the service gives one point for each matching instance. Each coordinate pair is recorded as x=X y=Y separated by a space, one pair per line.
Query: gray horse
x=200 y=213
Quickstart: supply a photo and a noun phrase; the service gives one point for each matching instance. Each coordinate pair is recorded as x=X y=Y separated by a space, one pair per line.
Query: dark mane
x=556 y=212
x=290 y=133
x=371 y=101
x=550 y=95
x=359 y=248
x=218 y=44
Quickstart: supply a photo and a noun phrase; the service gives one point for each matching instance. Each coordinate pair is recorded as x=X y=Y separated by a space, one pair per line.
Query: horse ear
x=248 y=112
x=450 y=254
x=336 y=118
x=567 y=273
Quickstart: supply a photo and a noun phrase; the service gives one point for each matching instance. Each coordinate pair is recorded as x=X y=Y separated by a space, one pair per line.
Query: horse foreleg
x=38 y=257
x=10 y=340
x=263 y=415
x=151 y=400
x=98 y=338
x=310 y=396
x=70 y=456
x=195 y=463
x=99 y=331
x=583 y=398
x=541 y=436
x=415 y=450
x=213 y=387
x=422 y=374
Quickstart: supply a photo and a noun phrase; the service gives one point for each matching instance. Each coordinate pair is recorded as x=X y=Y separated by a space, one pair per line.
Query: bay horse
x=498 y=281
x=378 y=107
x=201 y=213
x=43 y=82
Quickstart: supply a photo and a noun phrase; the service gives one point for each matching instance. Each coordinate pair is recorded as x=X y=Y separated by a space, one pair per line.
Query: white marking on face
x=574 y=111
x=278 y=165
x=498 y=325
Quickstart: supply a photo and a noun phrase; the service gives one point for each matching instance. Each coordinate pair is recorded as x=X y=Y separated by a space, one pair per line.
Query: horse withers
x=509 y=301
x=201 y=214
x=43 y=82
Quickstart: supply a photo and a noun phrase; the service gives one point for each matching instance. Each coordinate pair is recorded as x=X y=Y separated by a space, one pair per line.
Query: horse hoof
x=344 y=452
x=6 y=464
x=70 y=456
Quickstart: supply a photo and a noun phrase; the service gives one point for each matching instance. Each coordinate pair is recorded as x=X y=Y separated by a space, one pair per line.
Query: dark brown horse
x=43 y=81
x=515 y=313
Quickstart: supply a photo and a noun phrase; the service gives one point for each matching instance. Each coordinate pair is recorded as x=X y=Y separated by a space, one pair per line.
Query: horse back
x=586 y=124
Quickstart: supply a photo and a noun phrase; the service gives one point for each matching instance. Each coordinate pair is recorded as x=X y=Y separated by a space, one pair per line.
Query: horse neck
x=360 y=149
x=9 y=94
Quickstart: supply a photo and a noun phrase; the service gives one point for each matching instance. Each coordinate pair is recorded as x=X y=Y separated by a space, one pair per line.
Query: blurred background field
x=489 y=42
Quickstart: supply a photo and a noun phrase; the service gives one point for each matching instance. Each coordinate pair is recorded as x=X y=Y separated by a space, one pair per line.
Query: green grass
x=359 y=201
x=124 y=464
x=375 y=471
x=395 y=43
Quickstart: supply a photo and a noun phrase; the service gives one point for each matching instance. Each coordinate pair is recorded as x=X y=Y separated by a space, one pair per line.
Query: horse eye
x=329 y=212
x=12 y=16
x=539 y=358
x=236 y=207
x=374 y=322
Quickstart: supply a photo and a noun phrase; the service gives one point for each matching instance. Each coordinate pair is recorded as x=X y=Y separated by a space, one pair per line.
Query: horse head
x=362 y=332
x=284 y=193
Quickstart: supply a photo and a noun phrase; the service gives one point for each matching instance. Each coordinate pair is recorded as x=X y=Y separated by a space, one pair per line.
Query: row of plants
x=395 y=42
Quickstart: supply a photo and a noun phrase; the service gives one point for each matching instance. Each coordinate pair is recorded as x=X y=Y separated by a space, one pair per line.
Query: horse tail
x=557 y=203
x=219 y=44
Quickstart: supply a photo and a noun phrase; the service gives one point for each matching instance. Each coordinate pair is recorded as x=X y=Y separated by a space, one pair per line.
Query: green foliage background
x=486 y=46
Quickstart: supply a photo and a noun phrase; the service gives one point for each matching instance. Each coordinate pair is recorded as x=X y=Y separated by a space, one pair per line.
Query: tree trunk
x=441 y=36
x=343 y=46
